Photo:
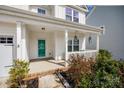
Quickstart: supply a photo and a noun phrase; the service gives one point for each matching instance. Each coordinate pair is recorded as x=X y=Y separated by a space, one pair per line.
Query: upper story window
x=69 y=14
x=75 y=16
x=72 y=15
x=41 y=11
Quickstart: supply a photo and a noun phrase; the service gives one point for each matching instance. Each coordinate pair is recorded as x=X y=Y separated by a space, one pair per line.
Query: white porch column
x=55 y=46
x=84 y=43
x=66 y=46
x=97 y=46
x=22 y=50
x=18 y=39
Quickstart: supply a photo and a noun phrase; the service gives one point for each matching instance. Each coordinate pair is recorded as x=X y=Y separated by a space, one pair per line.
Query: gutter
x=30 y=15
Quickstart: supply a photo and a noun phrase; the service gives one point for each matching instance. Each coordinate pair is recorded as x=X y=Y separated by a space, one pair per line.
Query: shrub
x=86 y=81
x=121 y=71
x=18 y=72
x=103 y=55
x=104 y=73
x=79 y=66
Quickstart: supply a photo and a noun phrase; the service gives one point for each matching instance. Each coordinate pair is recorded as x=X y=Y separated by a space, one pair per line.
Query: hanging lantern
x=75 y=38
x=90 y=39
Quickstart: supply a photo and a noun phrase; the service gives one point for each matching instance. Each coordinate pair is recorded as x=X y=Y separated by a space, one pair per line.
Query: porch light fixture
x=90 y=39
x=43 y=28
x=75 y=37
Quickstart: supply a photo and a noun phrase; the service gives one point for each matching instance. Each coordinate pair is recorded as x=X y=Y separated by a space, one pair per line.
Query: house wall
x=10 y=30
x=34 y=37
x=112 y=18
x=92 y=43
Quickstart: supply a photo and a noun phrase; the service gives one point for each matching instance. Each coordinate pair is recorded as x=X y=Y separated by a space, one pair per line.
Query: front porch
x=58 y=44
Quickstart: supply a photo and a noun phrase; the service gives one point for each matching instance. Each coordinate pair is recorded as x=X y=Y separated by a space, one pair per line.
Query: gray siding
x=112 y=18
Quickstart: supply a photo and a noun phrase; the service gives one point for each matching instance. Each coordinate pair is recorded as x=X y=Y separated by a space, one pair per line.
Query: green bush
x=103 y=55
x=18 y=72
x=106 y=73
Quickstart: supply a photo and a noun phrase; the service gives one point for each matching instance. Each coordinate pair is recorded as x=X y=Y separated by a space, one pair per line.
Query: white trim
x=66 y=45
x=82 y=52
x=97 y=46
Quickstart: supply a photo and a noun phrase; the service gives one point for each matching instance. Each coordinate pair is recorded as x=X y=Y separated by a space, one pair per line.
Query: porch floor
x=45 y=65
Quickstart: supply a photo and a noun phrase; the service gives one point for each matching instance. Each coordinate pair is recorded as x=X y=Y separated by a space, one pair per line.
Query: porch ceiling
x=14 y=15
x=38 y=28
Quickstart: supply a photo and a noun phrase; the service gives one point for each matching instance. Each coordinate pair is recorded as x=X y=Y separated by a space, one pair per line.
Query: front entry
x=41 y=48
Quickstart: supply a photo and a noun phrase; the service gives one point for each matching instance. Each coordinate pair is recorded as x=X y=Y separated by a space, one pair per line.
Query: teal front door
x=41 y=48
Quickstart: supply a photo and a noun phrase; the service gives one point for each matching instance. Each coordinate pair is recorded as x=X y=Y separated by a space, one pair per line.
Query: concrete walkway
x=45 y=65
x=3 y=81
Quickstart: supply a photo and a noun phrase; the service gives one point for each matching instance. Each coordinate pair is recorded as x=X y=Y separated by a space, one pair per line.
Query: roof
x=48 y=19
x=81 y=8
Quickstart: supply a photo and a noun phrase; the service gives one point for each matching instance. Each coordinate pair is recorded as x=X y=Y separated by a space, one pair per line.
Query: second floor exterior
x=67 y=12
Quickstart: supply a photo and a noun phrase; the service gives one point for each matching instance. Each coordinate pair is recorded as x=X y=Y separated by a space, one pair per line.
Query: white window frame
x=42 y=9
x=72 y=14
x=68 y=14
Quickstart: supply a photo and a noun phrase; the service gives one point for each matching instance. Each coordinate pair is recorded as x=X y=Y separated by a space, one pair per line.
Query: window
x=2 y=40
x=72 y=15
x=6 y=40
x=75 y=16
x=10 y=40
x=73 y=45
x=76 y=45
x=69 y=45
x=41 y=11
x=69 y=14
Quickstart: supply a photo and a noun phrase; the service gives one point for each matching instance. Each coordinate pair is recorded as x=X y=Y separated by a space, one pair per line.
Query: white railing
x=86 y=53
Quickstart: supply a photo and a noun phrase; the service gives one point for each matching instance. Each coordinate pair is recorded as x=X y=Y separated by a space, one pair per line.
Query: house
x=110 y=17
x=37 y=31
